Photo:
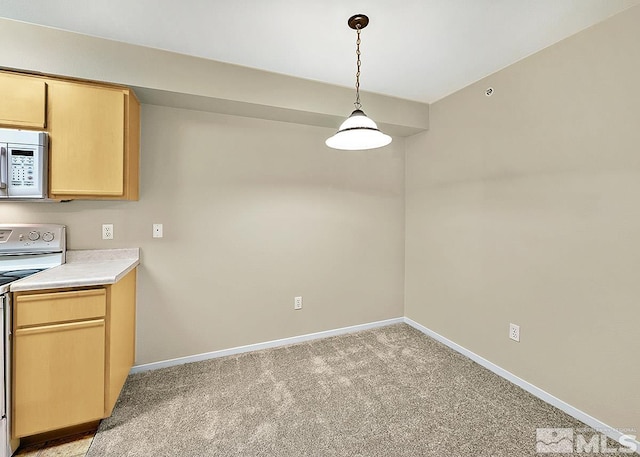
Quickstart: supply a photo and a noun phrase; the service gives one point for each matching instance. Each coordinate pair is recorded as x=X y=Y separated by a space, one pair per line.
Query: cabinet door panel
x=22 y=101
x=121 y=336
x=58 y=376
x=87 y=129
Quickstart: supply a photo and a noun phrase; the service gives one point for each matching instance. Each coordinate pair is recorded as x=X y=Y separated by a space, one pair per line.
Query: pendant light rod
x=357 y=22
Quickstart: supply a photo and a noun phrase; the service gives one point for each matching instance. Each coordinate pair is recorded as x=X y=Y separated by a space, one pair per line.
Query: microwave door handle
x=4 y=168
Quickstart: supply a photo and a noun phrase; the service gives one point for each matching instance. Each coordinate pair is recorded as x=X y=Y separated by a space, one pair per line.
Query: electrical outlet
x=157 y=230
x=107 y=231
x=514 y=332
x=297 y=303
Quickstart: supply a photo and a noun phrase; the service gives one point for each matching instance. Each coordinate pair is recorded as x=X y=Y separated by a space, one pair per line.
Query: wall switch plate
x=514 y=332
x=107 y=231
x=297 y=303
x=157 y=230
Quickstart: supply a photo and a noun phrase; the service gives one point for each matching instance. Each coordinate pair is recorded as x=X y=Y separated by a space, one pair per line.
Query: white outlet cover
x=107 y=231
x=157 y=230
x=514 y=332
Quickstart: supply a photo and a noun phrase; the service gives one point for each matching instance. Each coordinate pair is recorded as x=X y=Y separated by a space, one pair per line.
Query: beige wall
x=255 y=212
x=525 y=207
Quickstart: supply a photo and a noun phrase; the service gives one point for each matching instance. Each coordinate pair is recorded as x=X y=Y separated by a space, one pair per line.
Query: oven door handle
x=24 y=253
x=4 y=168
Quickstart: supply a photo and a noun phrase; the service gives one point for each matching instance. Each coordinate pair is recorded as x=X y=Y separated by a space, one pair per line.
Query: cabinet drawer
x=23 y=101
x=54 y=307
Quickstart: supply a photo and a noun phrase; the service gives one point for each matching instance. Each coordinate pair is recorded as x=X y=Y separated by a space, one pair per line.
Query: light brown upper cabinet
x=22 y=101
x=94 y=134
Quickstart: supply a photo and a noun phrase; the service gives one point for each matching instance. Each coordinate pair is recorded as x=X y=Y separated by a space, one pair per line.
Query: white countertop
x=83 y=268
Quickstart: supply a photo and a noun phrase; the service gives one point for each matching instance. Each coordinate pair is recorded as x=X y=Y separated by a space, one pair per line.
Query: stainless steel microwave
x=23 y=164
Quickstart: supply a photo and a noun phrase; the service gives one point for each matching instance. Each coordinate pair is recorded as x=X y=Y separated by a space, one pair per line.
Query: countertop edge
x=109 y=266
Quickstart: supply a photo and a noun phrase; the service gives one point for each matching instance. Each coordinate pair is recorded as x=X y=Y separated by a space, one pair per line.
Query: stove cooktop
x=14 y=275
x=10 y=276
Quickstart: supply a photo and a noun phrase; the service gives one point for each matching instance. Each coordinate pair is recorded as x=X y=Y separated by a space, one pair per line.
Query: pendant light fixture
x=358 y=131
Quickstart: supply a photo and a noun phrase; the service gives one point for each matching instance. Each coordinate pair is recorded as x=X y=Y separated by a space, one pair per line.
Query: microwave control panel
x=24 y=169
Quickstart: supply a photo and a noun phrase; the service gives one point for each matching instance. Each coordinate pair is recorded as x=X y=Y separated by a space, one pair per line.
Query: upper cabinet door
x=87 y=138
x=22 y=101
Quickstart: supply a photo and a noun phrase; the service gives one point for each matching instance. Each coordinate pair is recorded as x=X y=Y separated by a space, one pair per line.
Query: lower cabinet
x=68 y=388
x=72 y=351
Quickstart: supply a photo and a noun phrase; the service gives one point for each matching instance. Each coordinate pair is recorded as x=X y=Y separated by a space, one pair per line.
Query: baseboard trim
x=591 y=421
x=266 y=345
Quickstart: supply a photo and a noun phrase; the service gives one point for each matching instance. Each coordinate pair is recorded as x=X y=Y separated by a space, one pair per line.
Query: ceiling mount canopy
x=358 y=21
x=358 y=131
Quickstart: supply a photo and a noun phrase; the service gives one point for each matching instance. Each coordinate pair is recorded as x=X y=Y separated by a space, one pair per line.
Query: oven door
x=4 y=425
x=4 y=304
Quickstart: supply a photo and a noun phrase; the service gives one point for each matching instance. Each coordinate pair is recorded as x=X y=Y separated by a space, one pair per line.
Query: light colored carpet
x=386 y=392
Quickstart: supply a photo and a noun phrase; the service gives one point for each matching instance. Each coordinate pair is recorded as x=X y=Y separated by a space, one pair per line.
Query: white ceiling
x=415 y=49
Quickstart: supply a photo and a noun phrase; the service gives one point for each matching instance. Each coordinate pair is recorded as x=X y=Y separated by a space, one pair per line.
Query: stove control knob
x=47 y=236
x=33 y=235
